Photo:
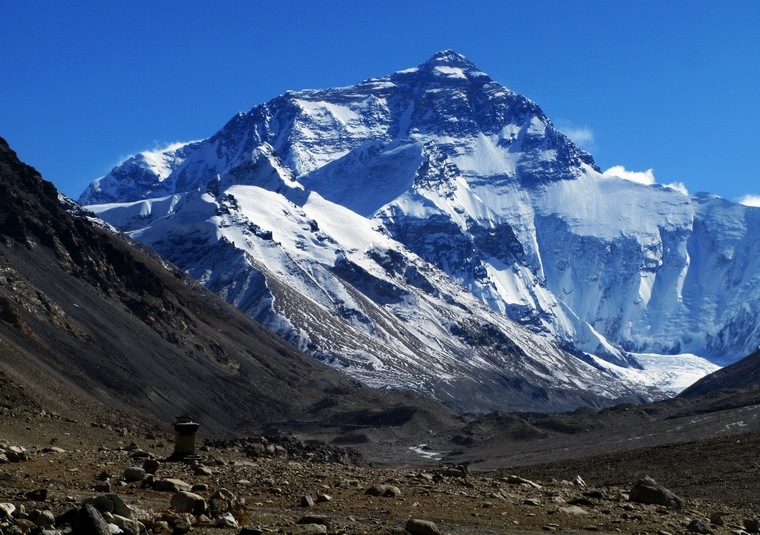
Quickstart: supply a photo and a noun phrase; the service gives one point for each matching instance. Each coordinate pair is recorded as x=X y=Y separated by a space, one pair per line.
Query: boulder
x=647 y=490
x=187 y=502
x=112 y=503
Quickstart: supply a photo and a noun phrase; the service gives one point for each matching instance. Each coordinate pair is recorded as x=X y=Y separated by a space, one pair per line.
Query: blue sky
x=667 y=86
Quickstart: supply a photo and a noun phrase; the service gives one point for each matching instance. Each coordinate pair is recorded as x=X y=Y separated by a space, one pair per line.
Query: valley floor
x=716 y=479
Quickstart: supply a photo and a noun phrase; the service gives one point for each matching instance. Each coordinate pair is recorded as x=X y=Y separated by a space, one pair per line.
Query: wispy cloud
x=642 y=177
x=750 y=200
x=582 y=136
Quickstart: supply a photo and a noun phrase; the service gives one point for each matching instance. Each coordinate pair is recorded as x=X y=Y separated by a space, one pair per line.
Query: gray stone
x=226 y=520
x=307 y=501
x=45 y=518
x=421 y=527
x=699 y=526
x=169 y=484
x=112 y=503
x=717 y=519
x=187 y=502
x=102 y=486
x=89 y=521
x=134 y=474
x=6 y=510
x=182 y=525
x=314 y=519
x=573 y=510
x=516 y=480
x=647 y=490
x=128 y=525
x=203 y=471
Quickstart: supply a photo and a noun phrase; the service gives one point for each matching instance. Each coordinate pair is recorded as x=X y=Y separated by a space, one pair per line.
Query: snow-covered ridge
x=432 y=229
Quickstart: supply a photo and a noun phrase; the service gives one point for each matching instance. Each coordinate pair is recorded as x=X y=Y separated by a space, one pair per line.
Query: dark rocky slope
x=89 y=322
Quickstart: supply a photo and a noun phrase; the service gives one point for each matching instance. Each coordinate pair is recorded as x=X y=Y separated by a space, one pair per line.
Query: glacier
x=432 y=230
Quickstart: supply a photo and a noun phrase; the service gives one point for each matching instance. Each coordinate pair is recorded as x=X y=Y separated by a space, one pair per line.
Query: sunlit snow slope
x=432 y=230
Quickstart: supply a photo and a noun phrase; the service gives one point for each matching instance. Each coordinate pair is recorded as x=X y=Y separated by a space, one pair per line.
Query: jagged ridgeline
x=432 y=230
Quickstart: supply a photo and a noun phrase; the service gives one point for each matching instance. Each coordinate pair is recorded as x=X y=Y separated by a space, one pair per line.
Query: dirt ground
x=715 y=476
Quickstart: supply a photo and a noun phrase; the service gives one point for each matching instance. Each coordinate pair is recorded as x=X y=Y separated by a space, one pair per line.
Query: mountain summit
x=433 y=230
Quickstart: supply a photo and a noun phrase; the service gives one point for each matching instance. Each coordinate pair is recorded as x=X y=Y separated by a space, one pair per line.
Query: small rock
x=453 y=471
x=169 y=484
x=573 y=510
x=203 y=471
x=39 y=495
x=102 y=486
x=752 y=525
x=307 y=501
x=7 y=510
x=44 y=518
x=151 y=466
x=134 y=474
x=699 y=526
x=516 y=480
x=182 y=525
x=388 y=491
x=313 y=519
x=717 y=519
x=421 y=527
x=226 y=520
x=128 y=525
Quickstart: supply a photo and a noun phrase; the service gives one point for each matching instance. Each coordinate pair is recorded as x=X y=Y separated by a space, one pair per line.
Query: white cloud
x=750 y=200
x=678 y=186
x=582 y=136
x=642 y=177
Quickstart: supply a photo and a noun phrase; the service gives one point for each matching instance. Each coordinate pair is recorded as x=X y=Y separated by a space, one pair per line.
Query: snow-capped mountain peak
x=431 y=229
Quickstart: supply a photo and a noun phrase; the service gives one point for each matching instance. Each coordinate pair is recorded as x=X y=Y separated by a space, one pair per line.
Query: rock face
x=399 y=228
